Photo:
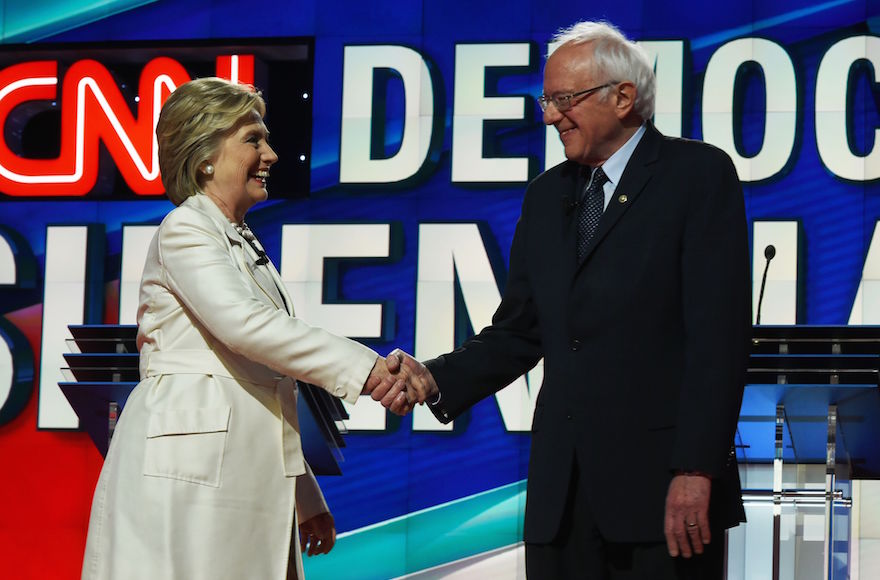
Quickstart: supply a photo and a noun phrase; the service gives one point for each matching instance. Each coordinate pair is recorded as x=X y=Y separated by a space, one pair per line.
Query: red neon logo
x=92 y=110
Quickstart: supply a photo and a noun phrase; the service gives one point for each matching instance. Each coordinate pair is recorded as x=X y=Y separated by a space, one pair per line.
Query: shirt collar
x=615 y=164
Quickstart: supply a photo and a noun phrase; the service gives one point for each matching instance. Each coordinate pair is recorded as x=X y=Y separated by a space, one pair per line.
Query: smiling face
x=241 y=167
x=597 y=124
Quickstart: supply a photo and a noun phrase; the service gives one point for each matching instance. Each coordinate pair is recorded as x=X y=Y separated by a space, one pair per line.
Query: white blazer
x=205 y=466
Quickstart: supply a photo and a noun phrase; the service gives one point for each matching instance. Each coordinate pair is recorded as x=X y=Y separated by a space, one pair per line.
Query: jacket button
x=575 y=344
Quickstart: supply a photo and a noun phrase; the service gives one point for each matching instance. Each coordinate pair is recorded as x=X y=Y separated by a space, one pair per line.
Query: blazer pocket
x=187 y=444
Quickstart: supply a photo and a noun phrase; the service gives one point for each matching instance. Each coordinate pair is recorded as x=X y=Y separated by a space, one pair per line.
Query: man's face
x=590 y=129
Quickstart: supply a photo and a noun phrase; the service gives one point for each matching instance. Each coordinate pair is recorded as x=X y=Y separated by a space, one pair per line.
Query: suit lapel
x=243 y=253
x=569 y=193
x=247 y=259
x=282 y=287
x=635 y=178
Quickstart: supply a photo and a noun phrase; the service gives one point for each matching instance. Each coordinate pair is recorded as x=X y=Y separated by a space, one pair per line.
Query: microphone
x=251 y=239
x=262 y=257
x=769 y=253
x=569 y=204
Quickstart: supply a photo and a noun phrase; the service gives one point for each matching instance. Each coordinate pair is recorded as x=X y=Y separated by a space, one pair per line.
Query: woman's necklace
x=245 y=232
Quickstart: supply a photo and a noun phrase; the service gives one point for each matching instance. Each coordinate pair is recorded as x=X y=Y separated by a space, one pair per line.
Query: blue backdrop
x=398 y=472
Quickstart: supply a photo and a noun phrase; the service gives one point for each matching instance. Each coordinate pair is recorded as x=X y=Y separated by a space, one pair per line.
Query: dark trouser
x=579 y=551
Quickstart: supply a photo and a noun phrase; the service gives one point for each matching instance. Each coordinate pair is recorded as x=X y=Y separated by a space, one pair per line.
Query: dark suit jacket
x=645 y=343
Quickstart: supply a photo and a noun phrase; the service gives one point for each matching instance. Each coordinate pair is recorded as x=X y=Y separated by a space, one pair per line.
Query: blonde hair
x=192 y=123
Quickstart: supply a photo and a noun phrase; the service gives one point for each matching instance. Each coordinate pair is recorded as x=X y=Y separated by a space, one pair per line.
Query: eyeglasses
x=563 y=102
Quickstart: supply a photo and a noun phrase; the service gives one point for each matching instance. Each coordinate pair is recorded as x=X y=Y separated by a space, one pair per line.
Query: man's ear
x=625 y=99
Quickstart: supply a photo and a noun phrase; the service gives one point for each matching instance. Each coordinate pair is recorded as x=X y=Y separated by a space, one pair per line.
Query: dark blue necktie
x=591 y=208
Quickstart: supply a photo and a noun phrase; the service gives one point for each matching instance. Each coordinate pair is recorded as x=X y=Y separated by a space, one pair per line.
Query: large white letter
x=7 y=369
x=781 y=98
x=135 y=245
x=16 y=357
x=7 y=263
x=303 y=250
x=355 y=162
x=64 y=303
x=473 y=107
x=7 y=374
x=831 y=114
x=668 y=59
x=447 y=251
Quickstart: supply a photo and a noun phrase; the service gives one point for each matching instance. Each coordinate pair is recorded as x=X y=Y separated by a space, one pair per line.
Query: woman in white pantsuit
x=205 y=476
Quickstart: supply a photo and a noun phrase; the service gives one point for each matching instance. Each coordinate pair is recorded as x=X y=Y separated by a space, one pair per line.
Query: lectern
x=102 y=370
x=813 y=397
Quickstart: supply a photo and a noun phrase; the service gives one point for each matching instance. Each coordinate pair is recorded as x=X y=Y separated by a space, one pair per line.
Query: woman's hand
x=318 y=534
x=399 y=382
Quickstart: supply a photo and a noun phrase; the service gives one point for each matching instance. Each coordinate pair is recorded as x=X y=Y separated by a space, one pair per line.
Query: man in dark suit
x=629 y=274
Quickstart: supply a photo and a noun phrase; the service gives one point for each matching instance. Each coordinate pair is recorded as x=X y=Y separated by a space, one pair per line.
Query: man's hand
x=377 y=375
x=382 y=374
x=318 y=534
x=408 y=382
x=687 y=514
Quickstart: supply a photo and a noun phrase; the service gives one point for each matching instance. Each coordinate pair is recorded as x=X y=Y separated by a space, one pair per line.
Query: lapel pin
x=623 y=198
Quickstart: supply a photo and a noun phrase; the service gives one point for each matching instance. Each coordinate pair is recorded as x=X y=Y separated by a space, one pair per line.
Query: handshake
x=399 y=382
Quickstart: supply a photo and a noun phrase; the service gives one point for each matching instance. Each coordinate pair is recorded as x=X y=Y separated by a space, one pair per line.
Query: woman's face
x=241 y=166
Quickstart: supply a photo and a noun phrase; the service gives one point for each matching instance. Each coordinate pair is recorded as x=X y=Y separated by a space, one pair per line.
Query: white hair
x=617 y=58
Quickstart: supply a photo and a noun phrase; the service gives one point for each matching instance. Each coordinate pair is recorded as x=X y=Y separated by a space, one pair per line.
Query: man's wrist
x=692 y=473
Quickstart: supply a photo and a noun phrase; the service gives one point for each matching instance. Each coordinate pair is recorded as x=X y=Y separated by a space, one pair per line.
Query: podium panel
x=813 y=398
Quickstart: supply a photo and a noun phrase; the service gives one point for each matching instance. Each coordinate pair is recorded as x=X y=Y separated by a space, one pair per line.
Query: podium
x=813 y=397
x=102 y=370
